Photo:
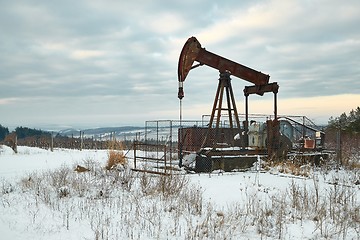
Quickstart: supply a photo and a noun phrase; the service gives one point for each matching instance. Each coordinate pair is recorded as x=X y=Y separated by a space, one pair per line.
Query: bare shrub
x=280 y=214
x=59 y=177
x=147 y=185
x=171 y=185
x=115 y=158
x=80 y=184
x=90 y=164
x=192 y=198
x=63 y=192
x=6 y=187
x=265 y=221
x=27 y=182
x=166 y=185
x=125 y=177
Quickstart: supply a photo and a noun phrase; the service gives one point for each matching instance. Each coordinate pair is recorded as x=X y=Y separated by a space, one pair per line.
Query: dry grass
x=166 y=207
x=355 y=165
x=116 y=155
x=115 y=158
x=288 y=167
x=115 y=145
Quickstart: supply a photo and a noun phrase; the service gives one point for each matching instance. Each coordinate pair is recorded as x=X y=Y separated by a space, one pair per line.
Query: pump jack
x=191 y=52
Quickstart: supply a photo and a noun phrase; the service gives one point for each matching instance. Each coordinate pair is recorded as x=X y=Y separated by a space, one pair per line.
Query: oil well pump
x=237 y=145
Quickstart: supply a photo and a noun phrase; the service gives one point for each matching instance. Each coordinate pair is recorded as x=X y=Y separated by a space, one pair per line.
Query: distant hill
x=100 y=131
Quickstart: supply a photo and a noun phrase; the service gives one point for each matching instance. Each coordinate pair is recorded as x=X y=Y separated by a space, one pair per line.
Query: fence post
x=52 y=142
x=170 y=141
x=81 y=140
x=135 y=154
x=165 y=158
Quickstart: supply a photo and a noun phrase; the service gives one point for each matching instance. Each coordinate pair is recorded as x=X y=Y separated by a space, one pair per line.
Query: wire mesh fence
x=189 y=142
x=203 y=148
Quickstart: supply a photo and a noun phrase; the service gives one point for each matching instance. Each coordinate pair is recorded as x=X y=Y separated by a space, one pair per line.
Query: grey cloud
x=91 y=58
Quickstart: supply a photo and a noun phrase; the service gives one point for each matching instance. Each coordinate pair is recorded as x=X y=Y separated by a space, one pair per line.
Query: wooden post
x=81 y=141
x=52 y=142
x=165 y=158
x=135 y=154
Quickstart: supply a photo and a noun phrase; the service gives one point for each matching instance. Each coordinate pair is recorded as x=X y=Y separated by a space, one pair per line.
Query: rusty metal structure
x=237 y=144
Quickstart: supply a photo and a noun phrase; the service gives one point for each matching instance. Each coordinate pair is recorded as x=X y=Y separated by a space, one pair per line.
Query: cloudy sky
x=93 y=63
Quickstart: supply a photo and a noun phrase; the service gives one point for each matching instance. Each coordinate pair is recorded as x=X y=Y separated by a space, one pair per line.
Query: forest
x=349 y=123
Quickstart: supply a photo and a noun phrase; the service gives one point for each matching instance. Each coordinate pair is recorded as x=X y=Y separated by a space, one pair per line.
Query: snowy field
x=42 y=197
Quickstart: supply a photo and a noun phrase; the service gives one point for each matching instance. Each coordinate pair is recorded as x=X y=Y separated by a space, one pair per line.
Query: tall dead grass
x=166 y=207
x=115 y=158
x=290 y=167
x=116 y=155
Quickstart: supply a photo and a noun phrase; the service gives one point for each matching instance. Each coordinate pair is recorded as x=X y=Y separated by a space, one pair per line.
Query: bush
x=115 y=158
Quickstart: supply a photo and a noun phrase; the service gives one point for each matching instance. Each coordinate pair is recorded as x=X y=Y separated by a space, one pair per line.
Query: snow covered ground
x=42 y=197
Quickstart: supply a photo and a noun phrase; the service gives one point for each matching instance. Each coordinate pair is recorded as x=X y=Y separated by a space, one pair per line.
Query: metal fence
x=183 y=139
x=219 y=148
x=157 y=164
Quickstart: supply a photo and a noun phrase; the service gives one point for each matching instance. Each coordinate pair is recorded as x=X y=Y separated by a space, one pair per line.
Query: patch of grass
x=289 y=167
x=115 y=158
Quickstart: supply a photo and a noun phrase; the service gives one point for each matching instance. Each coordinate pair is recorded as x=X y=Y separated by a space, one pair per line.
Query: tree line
x=346 y=122
x=3 y=132
x=22 y=132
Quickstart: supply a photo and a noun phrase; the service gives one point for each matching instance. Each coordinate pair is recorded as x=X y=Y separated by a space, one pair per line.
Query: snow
x=237 y=205
x=31 y=159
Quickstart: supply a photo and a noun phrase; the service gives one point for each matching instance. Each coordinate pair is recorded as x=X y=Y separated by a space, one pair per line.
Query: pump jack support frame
x=272 y=125
x=224 y=84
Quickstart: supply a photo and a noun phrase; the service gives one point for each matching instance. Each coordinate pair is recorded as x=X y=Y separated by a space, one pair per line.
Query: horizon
x=59 y=128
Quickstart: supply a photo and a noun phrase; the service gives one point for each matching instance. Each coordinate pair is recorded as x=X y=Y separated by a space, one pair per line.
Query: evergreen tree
x=3 y=132
x=348 y=123
x=23 y=132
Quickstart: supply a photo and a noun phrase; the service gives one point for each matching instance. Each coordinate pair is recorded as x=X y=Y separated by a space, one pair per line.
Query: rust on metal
x=192 y=51
x=187 y=57
x=261 y=89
